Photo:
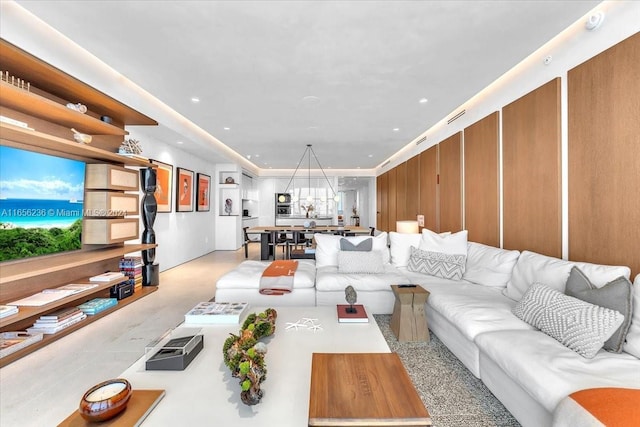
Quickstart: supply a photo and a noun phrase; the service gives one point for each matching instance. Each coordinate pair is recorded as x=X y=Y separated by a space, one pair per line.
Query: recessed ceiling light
x=249 y=156
x=257 y=155
x=370 y=155
x=423 y=100
x=226 y=128
x=180 y=142
x=311 y=99
x=396 y=129
x=195 y=99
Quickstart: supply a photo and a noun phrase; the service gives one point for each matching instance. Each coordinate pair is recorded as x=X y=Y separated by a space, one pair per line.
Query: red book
x=360 y=316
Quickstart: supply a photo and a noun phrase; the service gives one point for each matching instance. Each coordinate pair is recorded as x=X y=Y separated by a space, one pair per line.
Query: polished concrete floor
x=43 y=388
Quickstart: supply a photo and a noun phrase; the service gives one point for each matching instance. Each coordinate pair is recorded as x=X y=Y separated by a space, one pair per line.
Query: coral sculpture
x=244 y=355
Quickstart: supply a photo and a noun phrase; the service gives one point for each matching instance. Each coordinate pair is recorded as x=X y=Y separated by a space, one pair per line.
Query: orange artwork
x=184 y=190
x=164 y=183
x=203 y=192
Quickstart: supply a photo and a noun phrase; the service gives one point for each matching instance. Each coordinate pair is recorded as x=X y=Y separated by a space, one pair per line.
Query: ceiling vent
x=421 y=140
x=456 y=117
x=385 y=163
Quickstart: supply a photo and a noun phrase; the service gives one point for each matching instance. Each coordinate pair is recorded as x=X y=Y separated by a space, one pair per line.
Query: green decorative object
x=244 y=355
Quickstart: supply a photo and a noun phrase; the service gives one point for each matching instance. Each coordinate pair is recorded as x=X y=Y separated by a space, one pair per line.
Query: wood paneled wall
x=401 y=192
x=450 y=187
x=428 y=187
x=412 y=201
x=531 y=172
x=604 y=157
x=382 y=202
x=481 y=181
x=393 y=200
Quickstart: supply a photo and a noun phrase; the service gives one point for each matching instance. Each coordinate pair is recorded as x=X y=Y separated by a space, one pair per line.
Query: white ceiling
x=341 y=75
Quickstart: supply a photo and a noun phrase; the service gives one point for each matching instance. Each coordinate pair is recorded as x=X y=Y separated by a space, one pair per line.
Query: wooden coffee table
x=363 y=389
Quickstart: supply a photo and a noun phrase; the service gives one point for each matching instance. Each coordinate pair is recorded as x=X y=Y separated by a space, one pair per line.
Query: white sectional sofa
x=473 y=314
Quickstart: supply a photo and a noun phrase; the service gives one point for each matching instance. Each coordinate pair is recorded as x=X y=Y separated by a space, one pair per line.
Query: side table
x=408 y=321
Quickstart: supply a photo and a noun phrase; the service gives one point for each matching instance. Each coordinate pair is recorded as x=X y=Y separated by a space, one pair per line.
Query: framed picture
x=204 y=192
x=184 y=190
x=164 y=185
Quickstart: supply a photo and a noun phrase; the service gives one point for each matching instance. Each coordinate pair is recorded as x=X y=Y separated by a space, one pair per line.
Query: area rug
x=453 y=396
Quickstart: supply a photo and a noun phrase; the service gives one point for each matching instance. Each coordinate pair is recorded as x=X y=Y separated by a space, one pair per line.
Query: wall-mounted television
x=41 y=203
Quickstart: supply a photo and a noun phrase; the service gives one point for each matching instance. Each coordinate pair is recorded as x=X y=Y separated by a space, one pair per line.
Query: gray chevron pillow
x=579 y=325
x=438 y=264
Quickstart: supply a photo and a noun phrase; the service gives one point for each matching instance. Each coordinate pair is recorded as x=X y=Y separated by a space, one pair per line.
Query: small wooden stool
x=408 y=320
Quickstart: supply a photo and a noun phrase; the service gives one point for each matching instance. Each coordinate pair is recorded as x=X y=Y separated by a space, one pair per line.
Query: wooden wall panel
x=401 y=191
x=604 y=157
x=391 y=226
x=382 y=202
x=450 y=186
x=413 y=188
x=481 y=175
x=428 y=187
x=531 y=172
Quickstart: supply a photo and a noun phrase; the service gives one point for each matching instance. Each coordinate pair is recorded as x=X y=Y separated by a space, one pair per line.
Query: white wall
x=181 y=236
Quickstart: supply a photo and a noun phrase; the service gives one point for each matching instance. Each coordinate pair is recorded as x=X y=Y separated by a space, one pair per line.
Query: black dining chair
x=372 y=231
x=247 y=240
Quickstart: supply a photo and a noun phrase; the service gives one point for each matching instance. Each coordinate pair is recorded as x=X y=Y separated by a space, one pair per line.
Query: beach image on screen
x=41 y=203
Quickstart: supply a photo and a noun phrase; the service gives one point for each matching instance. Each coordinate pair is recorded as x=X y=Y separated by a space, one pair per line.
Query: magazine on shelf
x=216 y=312
x=74 y=288
x=43 y=298
x=53 y=329
x=10 y=342
x=360 y=316
x=97 y=305
x=7 y=310
x=107 y=277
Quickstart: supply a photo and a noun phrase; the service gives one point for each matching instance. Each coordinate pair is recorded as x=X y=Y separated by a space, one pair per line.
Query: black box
x=176 y=355
x=121 y=290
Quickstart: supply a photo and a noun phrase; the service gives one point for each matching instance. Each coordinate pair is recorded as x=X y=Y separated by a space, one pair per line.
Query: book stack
x=216 y=312
x=96 y=305
x=7 y=310
x=10 y=342
x=56 y=321
x=131 y=267
x=107 y=277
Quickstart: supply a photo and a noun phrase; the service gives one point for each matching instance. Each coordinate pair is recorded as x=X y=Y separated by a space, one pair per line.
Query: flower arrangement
x=244 y=355
x=307 y=209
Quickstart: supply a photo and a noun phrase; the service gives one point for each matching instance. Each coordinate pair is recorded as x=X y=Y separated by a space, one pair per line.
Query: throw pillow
x=632 y=346
x=578 y=325
x=447 y=266
x=328 y=246
x=358 y=262
x=455 y=243
x=615 y=295
x=364 y=246
x=488 y=265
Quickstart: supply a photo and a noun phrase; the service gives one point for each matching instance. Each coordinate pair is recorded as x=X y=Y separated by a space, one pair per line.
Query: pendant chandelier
x=308 y=152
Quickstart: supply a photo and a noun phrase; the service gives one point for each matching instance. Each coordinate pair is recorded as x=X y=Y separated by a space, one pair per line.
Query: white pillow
x=632 y=345
x=328 y=246
x=577 y=324
x=534 y=267
x=401 y=243
x=454 y=244
x=488 y=265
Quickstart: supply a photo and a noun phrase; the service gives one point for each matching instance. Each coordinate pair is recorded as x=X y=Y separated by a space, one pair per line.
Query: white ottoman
x=241 y=285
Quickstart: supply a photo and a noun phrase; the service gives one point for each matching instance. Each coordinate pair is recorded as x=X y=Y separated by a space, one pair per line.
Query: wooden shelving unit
x=15 y=136
x=85 y=296
x=45 y=105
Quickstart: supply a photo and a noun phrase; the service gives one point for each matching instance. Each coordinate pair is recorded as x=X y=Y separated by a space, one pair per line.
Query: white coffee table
x=206 y=393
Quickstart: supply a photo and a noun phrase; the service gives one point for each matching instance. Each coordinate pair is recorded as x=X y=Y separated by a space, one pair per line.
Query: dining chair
x=247 y=240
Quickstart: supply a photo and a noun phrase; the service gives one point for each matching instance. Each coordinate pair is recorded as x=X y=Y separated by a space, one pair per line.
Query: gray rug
x=453 y=396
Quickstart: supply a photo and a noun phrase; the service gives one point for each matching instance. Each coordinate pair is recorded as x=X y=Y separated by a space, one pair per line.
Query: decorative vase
x=307 y=214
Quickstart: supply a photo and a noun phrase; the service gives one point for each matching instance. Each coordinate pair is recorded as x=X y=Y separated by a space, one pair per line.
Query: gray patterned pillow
x=438 y=264
x=578 y=325
x=360 y=262
x=365 y=245
x=615 y=295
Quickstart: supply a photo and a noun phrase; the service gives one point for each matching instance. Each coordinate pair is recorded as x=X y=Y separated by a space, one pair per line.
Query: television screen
x=41 y=201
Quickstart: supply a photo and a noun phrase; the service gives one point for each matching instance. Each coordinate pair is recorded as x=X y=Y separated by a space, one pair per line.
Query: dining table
x=268 y=234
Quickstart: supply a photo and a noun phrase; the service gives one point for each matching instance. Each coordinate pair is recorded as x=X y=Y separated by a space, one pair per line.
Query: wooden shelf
x=32 y=267
x=47 y=339
x=54 y=81
x=18 y=137
x=46 y=109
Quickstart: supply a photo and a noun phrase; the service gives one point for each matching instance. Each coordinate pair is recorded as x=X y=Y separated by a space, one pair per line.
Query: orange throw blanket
x=277 y=278
x=606 y=406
